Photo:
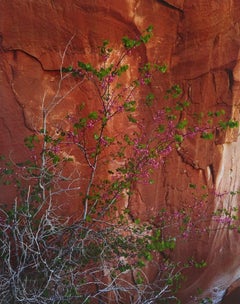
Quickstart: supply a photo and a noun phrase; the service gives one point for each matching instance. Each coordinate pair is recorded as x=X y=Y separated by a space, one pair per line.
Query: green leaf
x=149 y=29
x=137 y=221
x=207 y=136
x=233 y=124
x=128 y=140
x=122 y=69
x=68 y=69
x=193 y=186
x=81 y=123
x=47 y=138
x=30 y=141
x=55 y=158
x=175 y=91
x=161 y=68
x=85 y=66
x=104 y=120
x=145 y=38
x=140 y=264
x=132 y=119
x=161 y=128
x=88 y=218
x=2 y=157
x=109 y=140
x=105 y=42
x=103 y=72
x=8 y=171
x=130 y=106
x=178 y=138
x=139 y=279
x=219 y=113
x=149 y=99
x=96 y=136
x=201 y=264
x=182 y=124
x=129 y=43
x=93 y=115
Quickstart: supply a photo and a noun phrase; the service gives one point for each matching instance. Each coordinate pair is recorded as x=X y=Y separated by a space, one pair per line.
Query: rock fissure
x=171 y=6
x=230 y=78
x=15 y=55
x=187 y=159
x=18 y=100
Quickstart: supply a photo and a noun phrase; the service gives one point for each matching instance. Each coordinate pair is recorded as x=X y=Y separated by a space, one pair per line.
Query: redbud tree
x=103 y=254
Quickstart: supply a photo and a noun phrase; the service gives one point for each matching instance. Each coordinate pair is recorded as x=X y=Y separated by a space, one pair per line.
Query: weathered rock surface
x=198 y=40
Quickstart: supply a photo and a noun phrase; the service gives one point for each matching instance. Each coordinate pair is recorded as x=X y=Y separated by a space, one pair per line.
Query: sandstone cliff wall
x=198 y=40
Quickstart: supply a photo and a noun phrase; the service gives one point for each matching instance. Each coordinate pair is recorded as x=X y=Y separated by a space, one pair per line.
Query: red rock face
x=198 y=40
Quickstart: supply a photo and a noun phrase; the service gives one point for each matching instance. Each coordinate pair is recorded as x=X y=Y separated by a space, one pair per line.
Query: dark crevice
x=187 y=159
x=166 y=4
x=227 y=67
x=211 y=168
x=15 y=54
x=230 y=78
x=1 y=43
x=36 y=59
